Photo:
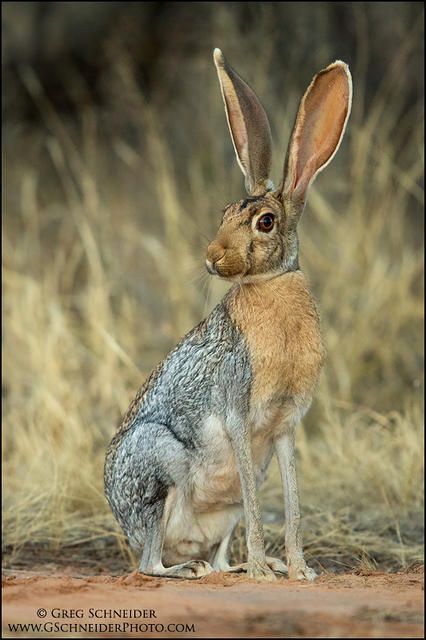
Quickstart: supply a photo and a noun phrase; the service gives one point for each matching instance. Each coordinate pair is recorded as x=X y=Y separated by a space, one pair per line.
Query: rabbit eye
x=266 y=223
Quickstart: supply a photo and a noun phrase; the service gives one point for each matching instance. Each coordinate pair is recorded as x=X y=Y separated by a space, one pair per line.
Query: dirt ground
x=221 y=605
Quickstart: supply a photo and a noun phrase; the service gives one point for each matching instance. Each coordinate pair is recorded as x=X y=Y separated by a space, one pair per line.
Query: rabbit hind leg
x=155 y=519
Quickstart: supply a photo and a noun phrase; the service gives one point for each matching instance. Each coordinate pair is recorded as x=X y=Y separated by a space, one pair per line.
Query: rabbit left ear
x=248 y=126
x=318 y=131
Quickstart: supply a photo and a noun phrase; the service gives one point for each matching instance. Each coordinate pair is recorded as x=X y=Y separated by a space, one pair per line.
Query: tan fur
x=280 y=322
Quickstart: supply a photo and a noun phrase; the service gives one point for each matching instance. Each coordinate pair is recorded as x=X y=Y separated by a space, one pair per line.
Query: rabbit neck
x=280 y=323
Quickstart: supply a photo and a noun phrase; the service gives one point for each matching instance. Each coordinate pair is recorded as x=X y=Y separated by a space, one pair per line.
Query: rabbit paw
x=301 y=571
x=189 y=570
x=260 y=571
x=276 y=565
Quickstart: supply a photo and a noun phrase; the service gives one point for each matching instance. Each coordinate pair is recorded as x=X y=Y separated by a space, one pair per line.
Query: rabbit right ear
x=248 y=125
x=318 y=131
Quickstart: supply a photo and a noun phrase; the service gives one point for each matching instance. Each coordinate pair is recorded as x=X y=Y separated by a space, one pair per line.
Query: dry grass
x=103 y=271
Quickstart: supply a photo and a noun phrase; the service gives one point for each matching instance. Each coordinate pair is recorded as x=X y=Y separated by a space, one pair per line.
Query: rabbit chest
x=280 y=324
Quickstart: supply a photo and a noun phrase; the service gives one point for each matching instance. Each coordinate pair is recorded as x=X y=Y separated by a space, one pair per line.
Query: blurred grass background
x=117 y=163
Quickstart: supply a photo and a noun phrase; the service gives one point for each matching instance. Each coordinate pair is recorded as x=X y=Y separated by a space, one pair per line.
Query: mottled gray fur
x=208 y=372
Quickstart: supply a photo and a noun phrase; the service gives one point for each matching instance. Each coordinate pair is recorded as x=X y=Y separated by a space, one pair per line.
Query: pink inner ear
x=321 y=121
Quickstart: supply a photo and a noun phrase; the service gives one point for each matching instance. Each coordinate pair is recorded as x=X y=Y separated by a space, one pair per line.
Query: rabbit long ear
x=248 y=125
x=318 y=131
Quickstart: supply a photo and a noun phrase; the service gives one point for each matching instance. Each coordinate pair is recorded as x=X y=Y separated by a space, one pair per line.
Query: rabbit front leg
x=241 y=445
x=297 y=567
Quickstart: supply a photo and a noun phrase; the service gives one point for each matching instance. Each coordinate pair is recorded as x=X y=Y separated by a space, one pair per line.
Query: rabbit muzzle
x=224 y=260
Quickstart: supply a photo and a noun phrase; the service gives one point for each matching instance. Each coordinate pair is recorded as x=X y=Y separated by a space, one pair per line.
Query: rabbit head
x=257 y=238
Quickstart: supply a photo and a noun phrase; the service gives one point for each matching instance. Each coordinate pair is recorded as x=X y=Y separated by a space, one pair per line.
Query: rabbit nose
x=210 y=267
x=215 y=252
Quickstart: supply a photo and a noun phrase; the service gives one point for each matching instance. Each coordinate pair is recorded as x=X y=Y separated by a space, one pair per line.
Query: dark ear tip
x=218 y=58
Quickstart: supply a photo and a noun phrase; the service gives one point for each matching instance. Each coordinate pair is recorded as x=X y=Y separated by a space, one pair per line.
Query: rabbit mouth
x=227 y=264
x=242 y=275
x=224 y=270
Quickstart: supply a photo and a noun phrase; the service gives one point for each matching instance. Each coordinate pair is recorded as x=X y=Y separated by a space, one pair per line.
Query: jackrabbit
x=196 y=441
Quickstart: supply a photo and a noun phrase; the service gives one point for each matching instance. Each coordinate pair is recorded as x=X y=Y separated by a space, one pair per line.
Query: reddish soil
x=222 y=606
